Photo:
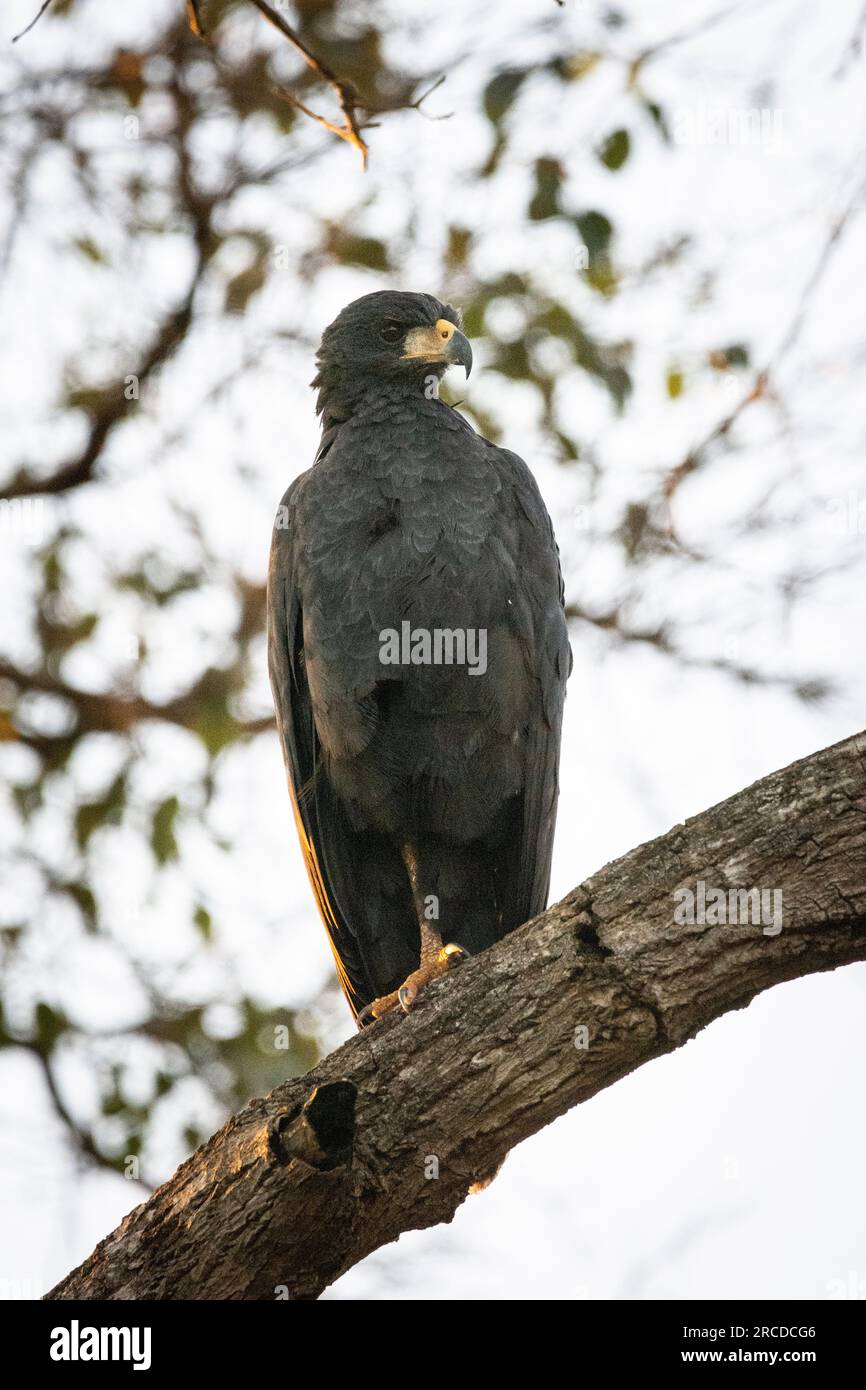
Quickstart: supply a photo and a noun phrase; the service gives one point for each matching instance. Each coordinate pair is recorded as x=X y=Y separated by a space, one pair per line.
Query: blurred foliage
x=162 y=139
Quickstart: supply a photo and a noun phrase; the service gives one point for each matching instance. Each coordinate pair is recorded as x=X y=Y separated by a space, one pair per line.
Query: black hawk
x=418 y=657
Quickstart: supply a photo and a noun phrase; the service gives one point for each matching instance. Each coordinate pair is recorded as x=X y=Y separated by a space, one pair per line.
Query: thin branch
x=854 y=47
x=351 y=135
x=350 y=130
x=415 y=105
x=113 y=408
x=612 y=622
x=35 y=20
x=761 y=387
x=98 y=711
x=696 y=455
x=81 y=1138
x=691 y=31
x=194 y=18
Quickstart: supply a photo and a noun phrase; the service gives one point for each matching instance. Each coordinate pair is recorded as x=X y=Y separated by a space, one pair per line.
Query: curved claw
x=376 y=1009
x=407 y=995
x=447 y=958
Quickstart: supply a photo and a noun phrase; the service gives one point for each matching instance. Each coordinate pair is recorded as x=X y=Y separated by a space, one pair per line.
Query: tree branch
x=613 y=622
x=761 y=385
x=111 y=406
x=350 y=130
x=35 y=20
x=114 y=406
x=102 y=711
x=388 y=1133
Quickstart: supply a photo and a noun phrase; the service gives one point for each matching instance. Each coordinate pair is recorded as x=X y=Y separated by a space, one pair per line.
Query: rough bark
x=302 y=1184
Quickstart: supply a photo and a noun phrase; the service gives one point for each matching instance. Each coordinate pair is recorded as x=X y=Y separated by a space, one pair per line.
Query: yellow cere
x=428 y=341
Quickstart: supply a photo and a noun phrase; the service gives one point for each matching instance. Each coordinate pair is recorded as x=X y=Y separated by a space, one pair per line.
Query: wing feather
x=523 y=871
x=301 y=751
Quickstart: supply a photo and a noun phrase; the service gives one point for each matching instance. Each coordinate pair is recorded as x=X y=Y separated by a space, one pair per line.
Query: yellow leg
x=435 y=958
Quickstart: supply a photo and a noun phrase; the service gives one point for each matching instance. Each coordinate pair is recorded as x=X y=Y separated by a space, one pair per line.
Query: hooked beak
x=459 y=351
x=439 y=342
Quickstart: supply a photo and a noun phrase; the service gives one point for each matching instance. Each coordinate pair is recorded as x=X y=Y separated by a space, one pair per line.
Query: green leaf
x=162 y=837
x=457 y=250
x=84 y=899
x=615 y=150
x=580 y=64
x=89 y=248
x=350 y=249
x=247 y=283
x=113 y=1104
x=633 y=531
x=596 y=230
x=96 y=400
x=658 y=118
x=50 y=1024
x=736 y=355
x=203 y=921
x=500 y=92
x=601 y=276
x=241 y=288
x=548 y=182
x=91 y=815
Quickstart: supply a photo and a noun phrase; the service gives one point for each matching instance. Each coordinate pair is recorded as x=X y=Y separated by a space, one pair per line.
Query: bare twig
x=194 y=18
x=35 y=20
x=104 y=711
x=854 y=47
x=81 y=1138
x=114 y=406
x=691 y=31
x=613 y=623
x=415 y=105
x=350 y=130
x=761 y=386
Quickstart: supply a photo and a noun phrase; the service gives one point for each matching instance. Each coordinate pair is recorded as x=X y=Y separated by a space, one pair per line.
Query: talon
x=433 y=967
x=375 y=1010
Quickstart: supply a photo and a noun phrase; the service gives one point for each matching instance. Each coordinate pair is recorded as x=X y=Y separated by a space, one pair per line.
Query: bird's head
x=389 y=336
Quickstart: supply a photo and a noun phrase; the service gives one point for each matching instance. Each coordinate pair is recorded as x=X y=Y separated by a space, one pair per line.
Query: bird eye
x=391 y=332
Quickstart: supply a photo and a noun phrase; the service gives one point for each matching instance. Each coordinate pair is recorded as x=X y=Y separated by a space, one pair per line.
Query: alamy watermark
x=729 y=125
x=438 y=646
x=25 y=517
x=714 y=907
x=852 y=1286
x=77 y=1343
x=848 y=514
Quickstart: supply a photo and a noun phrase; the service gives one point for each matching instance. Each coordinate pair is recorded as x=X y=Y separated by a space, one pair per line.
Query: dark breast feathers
x=409 y=524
